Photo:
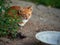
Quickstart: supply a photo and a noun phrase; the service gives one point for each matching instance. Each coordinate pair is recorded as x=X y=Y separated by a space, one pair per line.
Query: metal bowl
x=49 y=37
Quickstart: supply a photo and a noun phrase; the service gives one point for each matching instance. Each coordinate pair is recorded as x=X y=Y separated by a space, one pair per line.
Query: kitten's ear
x=30 y=7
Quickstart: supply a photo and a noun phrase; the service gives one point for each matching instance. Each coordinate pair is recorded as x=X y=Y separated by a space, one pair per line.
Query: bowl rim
x=41 y=33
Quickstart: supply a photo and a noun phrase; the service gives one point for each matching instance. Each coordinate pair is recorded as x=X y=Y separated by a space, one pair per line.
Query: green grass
x=52 y=3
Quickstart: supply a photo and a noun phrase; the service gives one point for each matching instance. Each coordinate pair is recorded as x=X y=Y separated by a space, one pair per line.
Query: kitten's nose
x=24 y=16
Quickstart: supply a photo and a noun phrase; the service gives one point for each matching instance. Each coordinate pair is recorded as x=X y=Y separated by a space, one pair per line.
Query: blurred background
x=52 y=3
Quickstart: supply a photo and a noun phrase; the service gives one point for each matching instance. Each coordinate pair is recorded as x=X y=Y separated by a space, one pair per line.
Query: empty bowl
x=49 y=37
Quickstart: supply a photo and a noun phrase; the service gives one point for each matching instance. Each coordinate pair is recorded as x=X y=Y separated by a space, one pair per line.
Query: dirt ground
x=43 y=19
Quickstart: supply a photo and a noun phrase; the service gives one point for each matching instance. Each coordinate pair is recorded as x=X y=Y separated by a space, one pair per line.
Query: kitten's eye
x=20 y=11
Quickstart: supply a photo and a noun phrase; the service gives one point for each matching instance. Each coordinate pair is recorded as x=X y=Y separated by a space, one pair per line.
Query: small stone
x=1 y=43
x=20 y=36
x=5 y=40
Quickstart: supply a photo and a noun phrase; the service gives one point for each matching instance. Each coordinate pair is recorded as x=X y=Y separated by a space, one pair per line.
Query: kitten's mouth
x=24 y=21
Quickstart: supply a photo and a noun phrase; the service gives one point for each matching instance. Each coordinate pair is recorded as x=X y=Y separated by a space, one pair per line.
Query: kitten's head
x=26 y=12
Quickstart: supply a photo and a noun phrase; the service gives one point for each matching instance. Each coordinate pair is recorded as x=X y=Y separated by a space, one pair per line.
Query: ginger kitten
x=24 y=12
